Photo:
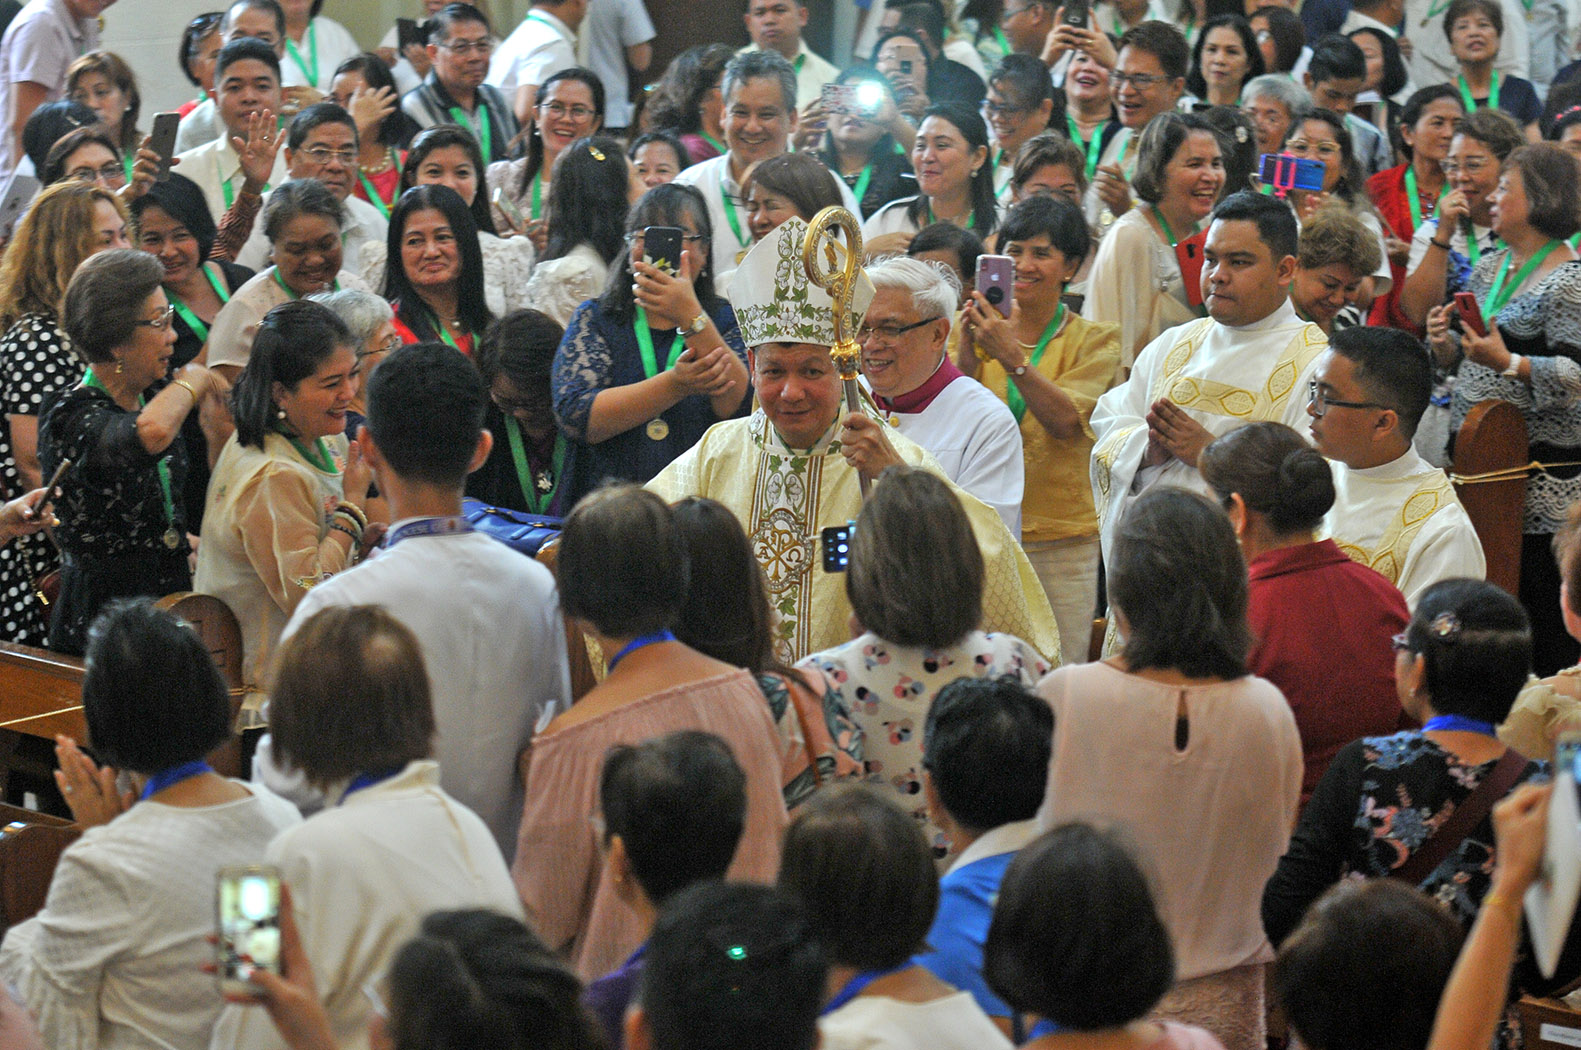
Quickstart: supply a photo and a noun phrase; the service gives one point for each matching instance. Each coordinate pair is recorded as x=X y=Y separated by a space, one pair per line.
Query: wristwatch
x=1513 y=371
x=1021 y=369
x=699 y=323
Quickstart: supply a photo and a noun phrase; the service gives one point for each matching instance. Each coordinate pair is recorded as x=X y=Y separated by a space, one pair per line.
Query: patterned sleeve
x=1556 y=379
x=100 y=438
x=36 y=365
x=235 y=226
x=511 y=261
x=582 y=368
x=560 y=286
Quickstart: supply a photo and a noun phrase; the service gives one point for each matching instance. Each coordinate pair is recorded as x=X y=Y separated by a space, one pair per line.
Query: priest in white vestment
x=1250 y=360
x=921 y=393
x=1393 y=510
x=793 y=467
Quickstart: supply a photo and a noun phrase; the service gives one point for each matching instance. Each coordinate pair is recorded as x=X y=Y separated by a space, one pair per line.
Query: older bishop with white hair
x=924 y=396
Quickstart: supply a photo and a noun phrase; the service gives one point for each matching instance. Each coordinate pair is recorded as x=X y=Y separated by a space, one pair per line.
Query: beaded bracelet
x=355 y=539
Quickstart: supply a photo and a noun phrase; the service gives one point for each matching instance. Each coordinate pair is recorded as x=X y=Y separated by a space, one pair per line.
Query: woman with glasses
x=174 y=226
x=371 y=322
x=435 y=276
x=862 y=147
x=569 y=106
x=526 y=468
x=900 y=58
x=1225 y=58
x=655 y=361
x=123 y=526
x=69 y=222
x=1019 y=105
x=90 y=155
x=591 y=188
x=1530 y=296
x=1135 y=280
x=954 y=181
x=200 y=46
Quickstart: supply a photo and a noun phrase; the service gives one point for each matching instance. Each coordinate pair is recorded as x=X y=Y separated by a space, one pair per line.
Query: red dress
x=1387 y=190
x=386 y=183
x=408 y=337
x=1322 y=625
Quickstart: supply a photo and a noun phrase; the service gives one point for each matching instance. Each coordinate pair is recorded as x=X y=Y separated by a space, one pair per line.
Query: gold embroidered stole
x=1388 y=558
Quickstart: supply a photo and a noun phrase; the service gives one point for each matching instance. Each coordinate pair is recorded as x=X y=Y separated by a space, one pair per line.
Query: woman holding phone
x=656 y=360
x=570 y=106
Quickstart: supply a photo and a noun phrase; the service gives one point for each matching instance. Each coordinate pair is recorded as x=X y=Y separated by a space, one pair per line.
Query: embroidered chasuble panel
x=1389 y=554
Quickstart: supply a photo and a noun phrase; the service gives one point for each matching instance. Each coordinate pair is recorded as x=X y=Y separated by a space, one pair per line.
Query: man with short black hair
x=985 y=756
x=459 y=45
x=1250 y=359
x=486 y=616
x=1335 y=75
x=540 y=47
x=730 y=965
x=1393 y=511
x=776 y=25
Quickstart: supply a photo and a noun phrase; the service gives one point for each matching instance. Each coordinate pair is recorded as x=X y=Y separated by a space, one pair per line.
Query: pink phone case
x=995 y=279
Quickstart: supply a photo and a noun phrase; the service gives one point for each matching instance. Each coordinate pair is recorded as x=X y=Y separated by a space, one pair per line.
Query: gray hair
x=105 y=301
x=1282 y=90
x=749 y=65
x=935 y=291
x=300 y=197
x=361 y=312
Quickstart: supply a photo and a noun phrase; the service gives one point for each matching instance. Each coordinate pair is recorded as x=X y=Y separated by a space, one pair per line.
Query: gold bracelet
x=1492 y=899
x=185 y=386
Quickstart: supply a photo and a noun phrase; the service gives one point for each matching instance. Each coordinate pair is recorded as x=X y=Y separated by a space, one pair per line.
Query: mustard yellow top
x=1082 y=360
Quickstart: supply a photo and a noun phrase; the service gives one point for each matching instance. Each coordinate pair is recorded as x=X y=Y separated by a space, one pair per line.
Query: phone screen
x=835 y=542
x=661 y=248
x=248 y=902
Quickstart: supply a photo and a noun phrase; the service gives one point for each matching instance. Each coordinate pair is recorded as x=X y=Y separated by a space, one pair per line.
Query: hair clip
x=1445 y=627
x=1241 y=134
x=597 y=153
x=1562 y=114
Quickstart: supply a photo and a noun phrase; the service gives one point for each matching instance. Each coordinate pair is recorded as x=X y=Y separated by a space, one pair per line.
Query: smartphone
x=407 y=33
x=996 y=275
x=508 y=206
x=1076 y=12
x=51 y=490
x=869 y=98
x=661 y=248
x=162 y=140
x=905 y=66
x=1286 y=171
x=248 y=923
x=19 y=193
x=837 y=98
x=835 y=545
x=1470 y=313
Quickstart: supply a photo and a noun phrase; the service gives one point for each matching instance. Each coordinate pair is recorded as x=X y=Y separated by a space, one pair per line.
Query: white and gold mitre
x=774 y=300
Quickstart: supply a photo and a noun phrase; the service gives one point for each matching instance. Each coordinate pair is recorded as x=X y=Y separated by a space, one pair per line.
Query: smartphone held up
x=247 y=903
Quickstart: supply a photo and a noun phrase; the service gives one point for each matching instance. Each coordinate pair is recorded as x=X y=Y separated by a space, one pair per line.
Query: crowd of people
x=1109 y=660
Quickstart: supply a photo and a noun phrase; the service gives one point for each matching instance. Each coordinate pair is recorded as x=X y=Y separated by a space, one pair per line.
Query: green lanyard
x=650 y=363
x=1465 y=92
x=373 y=194
x=537 y=195
x=311 y=73
x=730 y=211
x=1004 y=44
x=444 y=332
x=318 y=457
x=1013 y=398
x=163 y=464
x=970 y=216
x=195 y=322
x=482 y=131
x=1415 y=200
x=1500 y=294
x=1169 y=234
x=225 y=185
x=860 y=189
x=538 y=498
x=287 y=288
x=1094 y=148
x=1474 y=247
x=720 y=146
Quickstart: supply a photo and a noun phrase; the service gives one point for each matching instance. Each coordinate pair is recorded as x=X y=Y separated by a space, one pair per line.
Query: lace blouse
x=507 y=262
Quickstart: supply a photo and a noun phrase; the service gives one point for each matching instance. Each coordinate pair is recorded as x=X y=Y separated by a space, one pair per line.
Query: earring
x=120 y=369
x=279 y=413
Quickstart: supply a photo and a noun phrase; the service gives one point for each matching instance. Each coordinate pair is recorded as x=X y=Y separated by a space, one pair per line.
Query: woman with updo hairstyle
x=1077 y=941
x=1458 y=668
x=860 y=867
x=917 y=596
x=123 y=528
x=623 y=578
x=285 y=506
x=1173 y=723
x=1322 y=621
x=114 y=958
x=67 y=223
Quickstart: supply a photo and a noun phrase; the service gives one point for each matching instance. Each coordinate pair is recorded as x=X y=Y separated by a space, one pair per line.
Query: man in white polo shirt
x=540 y=47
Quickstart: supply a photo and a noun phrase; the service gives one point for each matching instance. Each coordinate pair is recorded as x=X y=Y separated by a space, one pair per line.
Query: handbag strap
x=1477 y=805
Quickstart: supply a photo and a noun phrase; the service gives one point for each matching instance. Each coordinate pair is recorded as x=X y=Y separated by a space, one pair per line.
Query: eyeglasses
x=392 y=343
x=1140 y=81
x=890 y=332
x=1470 y=167
x=995 y=109
x=512 y=405
x=159 y=323
x=323 y=155
x=1321 y=402
x=463 y=48
x=560 y=109
x=1322 y=149
x=109 y=173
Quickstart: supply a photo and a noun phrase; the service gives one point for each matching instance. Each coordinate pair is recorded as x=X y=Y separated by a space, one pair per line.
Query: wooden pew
x=30 y=846
x=1493 y=438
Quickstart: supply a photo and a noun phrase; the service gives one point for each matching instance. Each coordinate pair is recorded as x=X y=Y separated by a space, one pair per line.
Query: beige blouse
x=559 y=862
x=1209 y=821
x=265 y=519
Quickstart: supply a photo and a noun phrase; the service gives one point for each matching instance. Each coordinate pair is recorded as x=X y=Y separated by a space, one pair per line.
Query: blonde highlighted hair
x=51 y=241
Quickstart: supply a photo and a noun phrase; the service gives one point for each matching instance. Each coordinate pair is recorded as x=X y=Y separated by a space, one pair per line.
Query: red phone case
x=1470 y=312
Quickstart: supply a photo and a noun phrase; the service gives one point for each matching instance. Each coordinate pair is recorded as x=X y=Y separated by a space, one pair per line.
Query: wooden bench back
x=30 y=846
x=1493 y=437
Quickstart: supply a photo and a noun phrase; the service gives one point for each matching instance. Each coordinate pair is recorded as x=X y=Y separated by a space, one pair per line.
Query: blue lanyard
x=366 y=780
x=175 y=775
x=856 y=986
x=428 y=527
x=1461 y=723
x=637 y=643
